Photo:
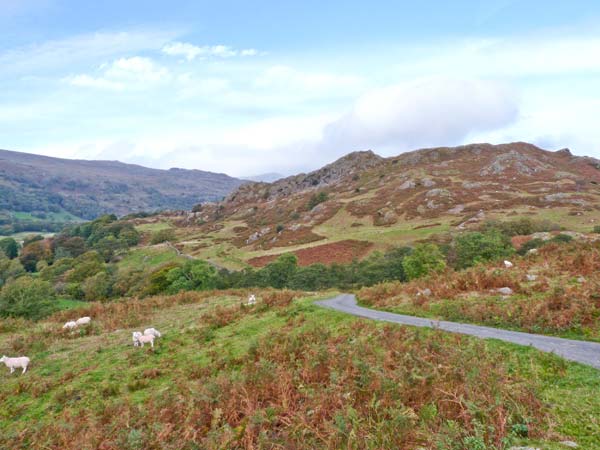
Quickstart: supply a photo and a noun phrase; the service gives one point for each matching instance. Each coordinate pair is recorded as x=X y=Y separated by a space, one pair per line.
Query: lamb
x=136 y=335
x=12 y=363
x=251 y=300
x=152 y=331
x=83 y=320
x=145 y=338
x=70 y=325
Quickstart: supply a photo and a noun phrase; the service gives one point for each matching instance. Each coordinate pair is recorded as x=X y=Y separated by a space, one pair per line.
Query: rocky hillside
x=385 y=201
x=42 y=185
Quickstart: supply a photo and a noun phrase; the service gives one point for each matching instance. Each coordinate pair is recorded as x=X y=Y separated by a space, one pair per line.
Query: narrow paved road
x=579 y=351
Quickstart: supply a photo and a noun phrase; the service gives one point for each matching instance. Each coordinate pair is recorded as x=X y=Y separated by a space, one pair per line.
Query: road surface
x=573 y=350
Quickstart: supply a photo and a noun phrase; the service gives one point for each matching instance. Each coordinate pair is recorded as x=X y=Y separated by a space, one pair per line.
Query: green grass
x=66 y=303
x=153 y=227
x=87 y=374
x=149 y=257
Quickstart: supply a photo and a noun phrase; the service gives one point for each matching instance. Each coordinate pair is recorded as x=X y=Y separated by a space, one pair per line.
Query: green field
x=94 y=386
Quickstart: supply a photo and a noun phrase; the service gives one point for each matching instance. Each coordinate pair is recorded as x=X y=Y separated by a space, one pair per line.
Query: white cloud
x=308 y=83
x=135 y=72
x=191 y=51
x=57 y=54
x=84 y=80
x=426 y=112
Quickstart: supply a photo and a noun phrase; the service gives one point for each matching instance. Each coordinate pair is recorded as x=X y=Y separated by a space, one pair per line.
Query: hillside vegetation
x=282 y=374
x=364 y=203
x=39 y=193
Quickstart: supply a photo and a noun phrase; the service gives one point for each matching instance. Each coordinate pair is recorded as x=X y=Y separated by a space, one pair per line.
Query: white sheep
x=70 y=325
x=145 y=338
x=83 y=320
x=508 y=264
x=12 y=363
x=251 y=300
x=152 y=331
x=136 y=335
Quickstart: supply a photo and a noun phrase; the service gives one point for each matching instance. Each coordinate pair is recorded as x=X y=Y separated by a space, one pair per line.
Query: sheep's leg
x=24 y=369
x=152 y=343
x=12 y=369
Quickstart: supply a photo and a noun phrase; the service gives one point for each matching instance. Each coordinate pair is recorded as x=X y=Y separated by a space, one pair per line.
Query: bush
x=473 y=248
x=10 y=247
x=27 y=297
x=562 y=238
x=317 y=199
x=163 y=236
x=424 y=259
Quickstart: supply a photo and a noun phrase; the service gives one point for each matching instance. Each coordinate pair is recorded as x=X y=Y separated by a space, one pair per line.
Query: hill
x=364 y=202
x=40 y=189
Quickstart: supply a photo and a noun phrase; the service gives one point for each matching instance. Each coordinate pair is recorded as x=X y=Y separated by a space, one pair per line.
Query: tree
x=193 y=275
x=280 y=271
x=35 y=251
x=10 y=247
x=424 y=260
x=97 y=287
x=27 y=297
x=473 y=248
x=316 y=199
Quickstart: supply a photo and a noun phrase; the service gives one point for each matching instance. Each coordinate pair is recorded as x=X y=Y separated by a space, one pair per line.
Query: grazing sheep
x=83 y=320
x=508 y=264
x=145 y=338
x=251 y=300
x=152 y=331
x=136 y=335
x=70 y=325
x=12 y=363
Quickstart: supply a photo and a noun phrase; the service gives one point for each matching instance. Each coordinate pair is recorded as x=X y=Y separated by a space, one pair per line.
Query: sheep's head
x=3 y=358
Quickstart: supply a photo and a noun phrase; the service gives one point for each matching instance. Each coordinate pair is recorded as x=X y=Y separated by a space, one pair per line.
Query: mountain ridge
x=37 y=186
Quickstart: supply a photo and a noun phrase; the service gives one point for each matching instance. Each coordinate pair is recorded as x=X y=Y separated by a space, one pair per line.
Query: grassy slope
x=217 y=247
x=90 y=376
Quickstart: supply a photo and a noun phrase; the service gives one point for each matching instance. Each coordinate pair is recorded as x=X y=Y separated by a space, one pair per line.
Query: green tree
x=193 y=275
x=10 y=247
x=423 y=260
x=316 y=199
x=97 y=287
x=27 y=297
x=473 y=248
x=280 y=271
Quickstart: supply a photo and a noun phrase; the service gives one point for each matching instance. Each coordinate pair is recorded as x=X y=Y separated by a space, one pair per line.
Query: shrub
x=424 y=259
x=27 y=297
x=473 y=248
x=163 y=236
x=317 y=199
x=10 y=247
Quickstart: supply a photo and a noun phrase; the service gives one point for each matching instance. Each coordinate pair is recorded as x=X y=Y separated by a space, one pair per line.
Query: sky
x=247 y=88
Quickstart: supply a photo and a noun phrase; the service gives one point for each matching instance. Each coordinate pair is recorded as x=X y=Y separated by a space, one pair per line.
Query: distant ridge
x=42 y=185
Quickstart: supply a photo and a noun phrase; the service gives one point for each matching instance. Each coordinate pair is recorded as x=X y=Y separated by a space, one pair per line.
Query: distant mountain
x=34 y=187
x=265 y=177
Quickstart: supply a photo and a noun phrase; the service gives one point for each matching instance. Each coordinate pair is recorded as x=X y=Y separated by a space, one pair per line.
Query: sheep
x=152 y=331
x=83 y=320
x=11 y=363
x=70 y=325
x=508 y=264
x=145 y=338
x=251 y=300
x=136 y=335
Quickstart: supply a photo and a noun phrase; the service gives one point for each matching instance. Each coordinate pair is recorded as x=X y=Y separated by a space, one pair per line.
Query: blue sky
x=253 y=87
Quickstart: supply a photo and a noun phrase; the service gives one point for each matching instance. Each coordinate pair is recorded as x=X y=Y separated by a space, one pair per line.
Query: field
x=283 y=374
